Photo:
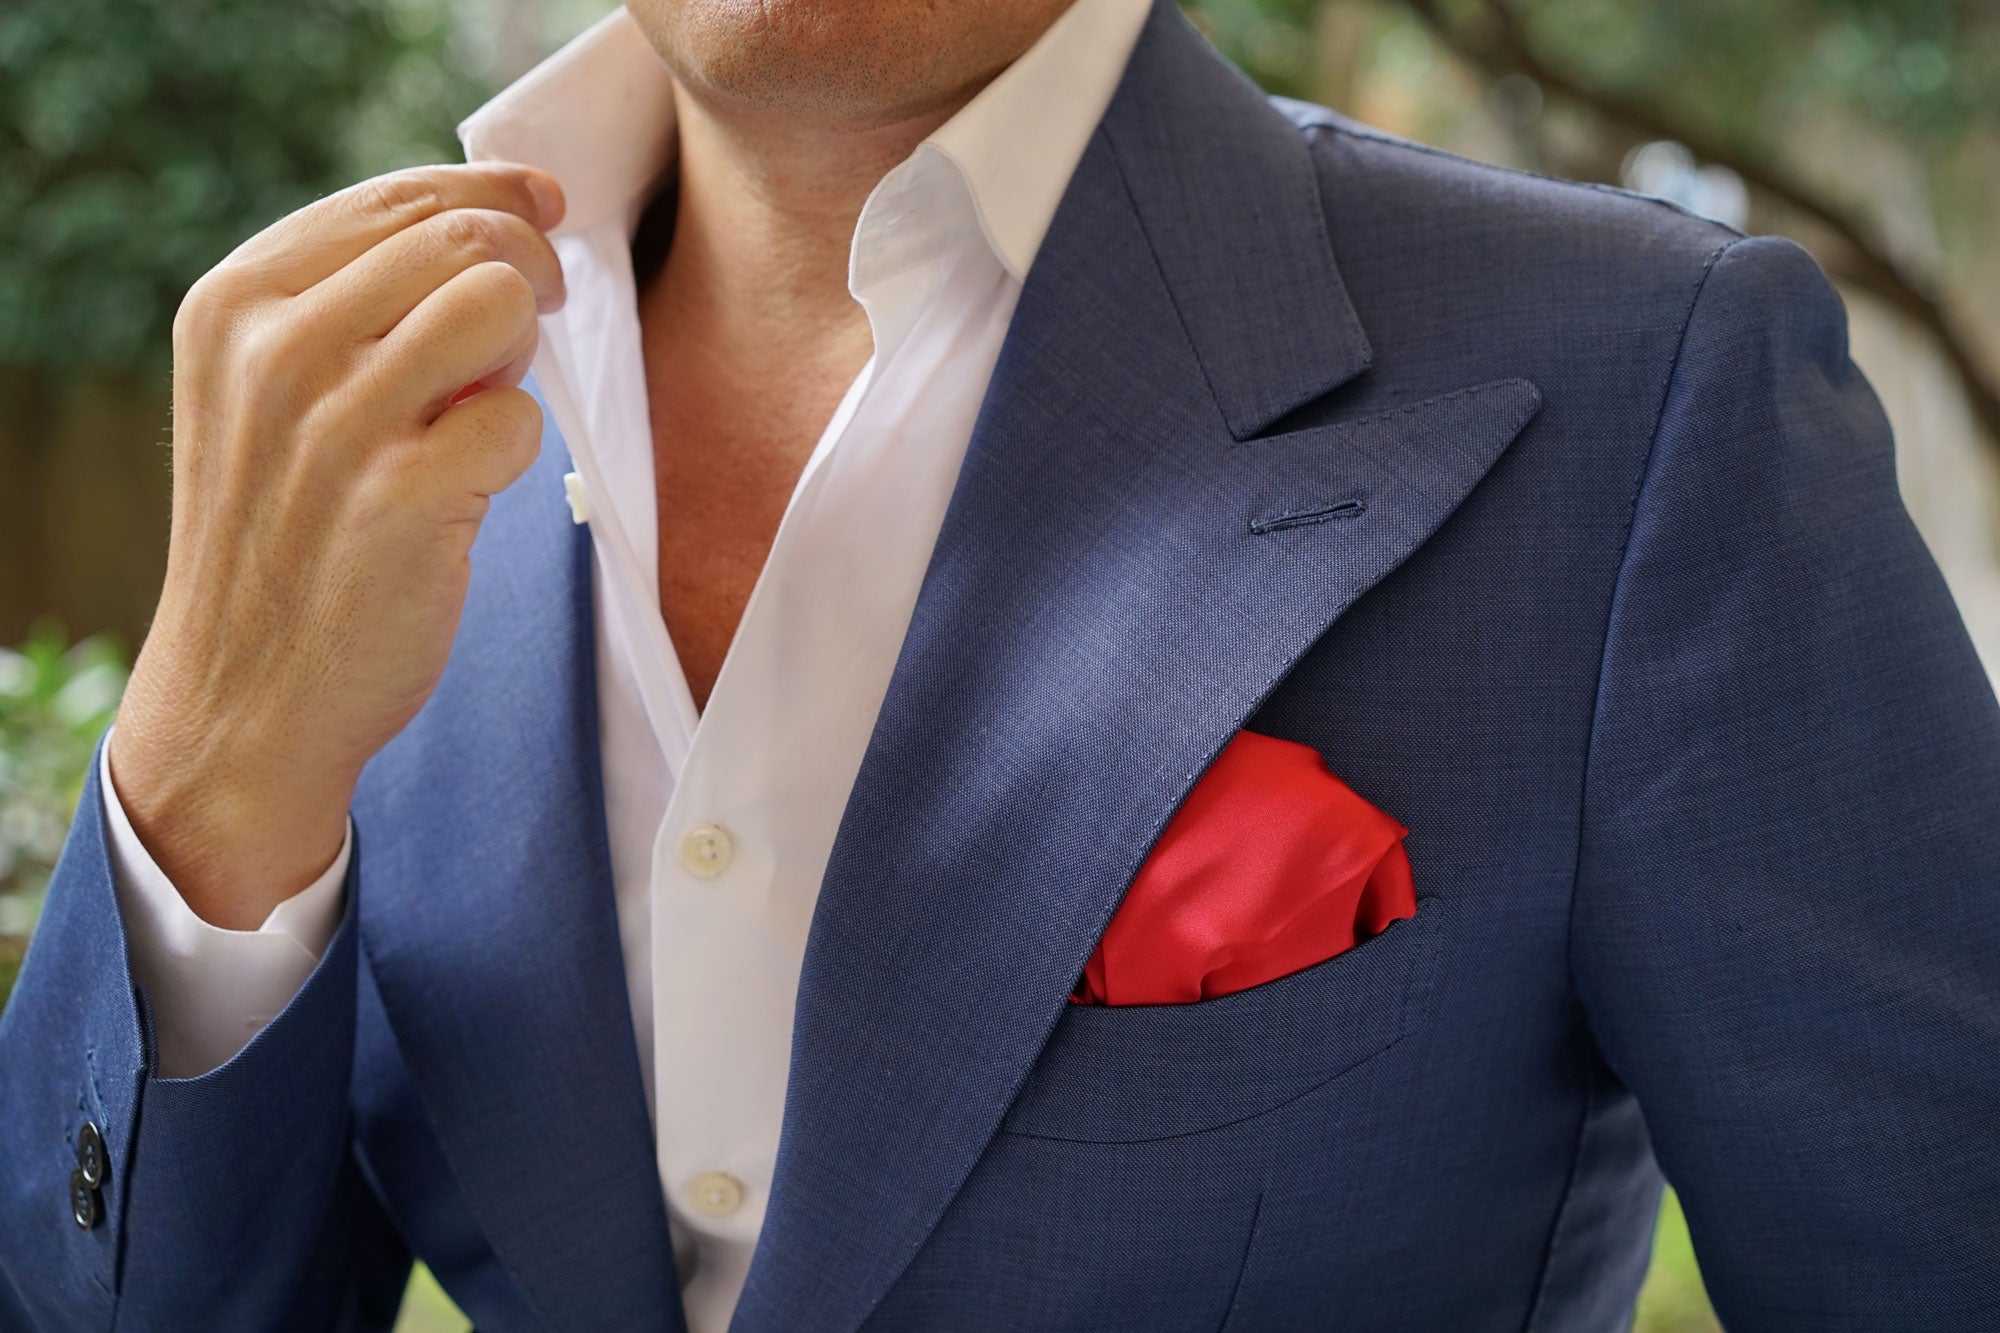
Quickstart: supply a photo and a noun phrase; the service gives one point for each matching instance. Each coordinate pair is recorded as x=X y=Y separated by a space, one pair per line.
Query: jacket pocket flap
x=1126 y=1073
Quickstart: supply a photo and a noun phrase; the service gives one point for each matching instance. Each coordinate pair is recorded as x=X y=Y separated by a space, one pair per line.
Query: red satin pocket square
x=1272 y=864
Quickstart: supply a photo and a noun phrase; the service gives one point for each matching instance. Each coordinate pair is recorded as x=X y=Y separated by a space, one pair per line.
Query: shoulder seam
x=1640 y=478
x=1365 y=134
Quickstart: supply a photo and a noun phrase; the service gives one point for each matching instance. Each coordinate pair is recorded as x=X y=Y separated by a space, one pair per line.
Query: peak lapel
x=488 y=923
x=1121 y=576
x=1230 y=206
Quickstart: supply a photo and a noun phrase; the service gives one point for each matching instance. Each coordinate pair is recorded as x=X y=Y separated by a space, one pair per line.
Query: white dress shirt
x=720 y=822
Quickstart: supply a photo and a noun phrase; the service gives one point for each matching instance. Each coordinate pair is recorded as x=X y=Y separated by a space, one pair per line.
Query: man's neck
x=750 y=337
x=764 y=219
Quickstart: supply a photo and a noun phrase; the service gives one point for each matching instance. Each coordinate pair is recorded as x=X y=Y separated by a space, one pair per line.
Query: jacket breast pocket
x=1130 y=1073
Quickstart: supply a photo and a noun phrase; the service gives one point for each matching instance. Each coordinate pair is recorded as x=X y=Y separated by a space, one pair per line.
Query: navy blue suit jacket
x=1557 y=519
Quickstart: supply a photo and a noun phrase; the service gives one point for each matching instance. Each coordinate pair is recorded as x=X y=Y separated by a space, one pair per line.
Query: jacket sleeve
x=210 y=990
x=1786 y=933
x=229 y=1200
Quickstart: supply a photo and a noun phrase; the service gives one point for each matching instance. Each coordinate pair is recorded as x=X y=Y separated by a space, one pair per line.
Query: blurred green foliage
x=141 y=140
x=1674 y=1300
x=1923 y=73
x=1928 y=68
x=55 y=701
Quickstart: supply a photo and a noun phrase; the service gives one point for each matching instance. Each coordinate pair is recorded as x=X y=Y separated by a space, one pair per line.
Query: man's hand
x=326 y=493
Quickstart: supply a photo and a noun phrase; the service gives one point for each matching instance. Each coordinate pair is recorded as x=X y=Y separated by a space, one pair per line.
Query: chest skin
x=731 y=434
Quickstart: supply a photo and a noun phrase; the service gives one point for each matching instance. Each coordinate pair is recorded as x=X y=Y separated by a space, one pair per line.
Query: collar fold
x=598 y=115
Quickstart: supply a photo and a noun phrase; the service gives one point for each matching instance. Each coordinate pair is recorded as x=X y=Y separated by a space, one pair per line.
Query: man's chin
x=860 y=62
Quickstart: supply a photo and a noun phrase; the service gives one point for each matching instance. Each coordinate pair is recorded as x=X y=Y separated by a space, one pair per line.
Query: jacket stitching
x=1556 y=1230
x=1299 y=518
x=1300 y=1095
x=1243 y=1264
x=1385 y=414
x=1617 y=589
x=1368 y=134
x=1589 y=748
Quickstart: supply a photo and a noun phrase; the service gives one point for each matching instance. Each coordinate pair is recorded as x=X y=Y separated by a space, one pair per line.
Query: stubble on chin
x=860 y=62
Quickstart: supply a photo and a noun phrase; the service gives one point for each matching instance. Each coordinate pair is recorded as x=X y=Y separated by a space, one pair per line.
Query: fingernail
x=548 y=198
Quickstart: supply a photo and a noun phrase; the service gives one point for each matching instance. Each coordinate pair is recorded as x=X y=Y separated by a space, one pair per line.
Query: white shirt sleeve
x=212 y=989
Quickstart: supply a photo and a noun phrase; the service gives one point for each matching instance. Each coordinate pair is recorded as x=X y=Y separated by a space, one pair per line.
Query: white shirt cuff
x=211 y=989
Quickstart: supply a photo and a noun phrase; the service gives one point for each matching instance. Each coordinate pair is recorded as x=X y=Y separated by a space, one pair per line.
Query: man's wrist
x=233 y=836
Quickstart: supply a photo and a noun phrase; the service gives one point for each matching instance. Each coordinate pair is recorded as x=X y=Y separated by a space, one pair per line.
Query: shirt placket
x=747 y=830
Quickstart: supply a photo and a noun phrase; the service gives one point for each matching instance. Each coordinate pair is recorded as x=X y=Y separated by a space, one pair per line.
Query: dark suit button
x=90 y=1154
x=82 y=1200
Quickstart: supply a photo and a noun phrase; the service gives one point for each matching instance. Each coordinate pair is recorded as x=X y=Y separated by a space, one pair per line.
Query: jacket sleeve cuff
x=212 y=989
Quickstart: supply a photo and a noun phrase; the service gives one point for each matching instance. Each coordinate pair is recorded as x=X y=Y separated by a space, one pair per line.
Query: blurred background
x=140 y=140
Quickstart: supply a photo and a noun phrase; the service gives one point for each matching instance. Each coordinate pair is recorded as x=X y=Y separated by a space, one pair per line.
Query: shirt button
x=578 y=496
x=705 y=850
x=90 y=1162
x=715 y=1193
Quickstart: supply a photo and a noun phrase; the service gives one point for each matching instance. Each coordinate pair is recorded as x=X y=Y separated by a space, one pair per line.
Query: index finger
x=320 y=239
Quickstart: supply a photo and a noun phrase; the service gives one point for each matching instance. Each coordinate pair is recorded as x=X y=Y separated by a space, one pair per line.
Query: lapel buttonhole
x=1298 y=518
